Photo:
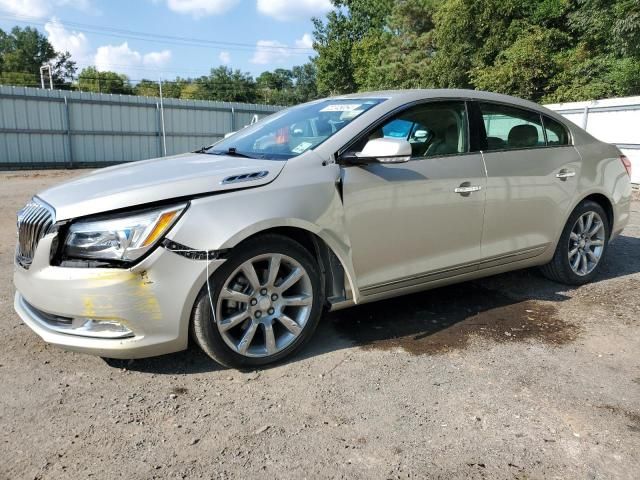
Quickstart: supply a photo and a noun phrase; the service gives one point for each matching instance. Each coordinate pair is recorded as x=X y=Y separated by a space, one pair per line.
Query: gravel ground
x=508 y=377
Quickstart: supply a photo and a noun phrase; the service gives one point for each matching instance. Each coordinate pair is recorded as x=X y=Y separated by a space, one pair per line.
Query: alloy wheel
x=586 y=243
x=264 y=305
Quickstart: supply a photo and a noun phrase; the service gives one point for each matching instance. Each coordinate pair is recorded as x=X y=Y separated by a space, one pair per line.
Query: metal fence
x=62 y=129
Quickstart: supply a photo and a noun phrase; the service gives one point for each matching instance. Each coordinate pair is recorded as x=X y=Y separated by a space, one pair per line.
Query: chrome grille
x=34 y=221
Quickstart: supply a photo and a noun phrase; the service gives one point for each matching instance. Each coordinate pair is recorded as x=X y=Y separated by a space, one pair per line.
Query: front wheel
x=268 y=300
x=582 y=246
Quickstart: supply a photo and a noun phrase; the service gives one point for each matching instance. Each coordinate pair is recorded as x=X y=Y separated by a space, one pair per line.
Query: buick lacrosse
x=241 y=246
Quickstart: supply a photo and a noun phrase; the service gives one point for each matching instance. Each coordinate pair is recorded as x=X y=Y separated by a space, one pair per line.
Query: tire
x=225 y=338
x=560 y=269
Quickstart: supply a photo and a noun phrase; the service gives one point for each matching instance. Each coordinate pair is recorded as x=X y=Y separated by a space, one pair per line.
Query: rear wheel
x=267 y=299
x=582 y=246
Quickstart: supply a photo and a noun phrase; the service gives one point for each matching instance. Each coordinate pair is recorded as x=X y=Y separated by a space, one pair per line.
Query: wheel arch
x=604 y=202
x=595 y=196
x=338 y=280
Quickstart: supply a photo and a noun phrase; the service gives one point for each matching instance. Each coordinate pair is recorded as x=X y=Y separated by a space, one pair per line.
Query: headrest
x=522 y=136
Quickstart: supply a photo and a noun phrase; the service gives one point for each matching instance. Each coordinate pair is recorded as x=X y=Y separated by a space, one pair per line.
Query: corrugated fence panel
x=56 y=129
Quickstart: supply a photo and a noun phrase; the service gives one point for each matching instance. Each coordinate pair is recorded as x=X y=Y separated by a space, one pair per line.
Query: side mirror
x=385 y=150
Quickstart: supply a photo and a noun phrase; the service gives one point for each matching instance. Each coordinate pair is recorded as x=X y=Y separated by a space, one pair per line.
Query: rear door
x=532 y=174
x=410 y=223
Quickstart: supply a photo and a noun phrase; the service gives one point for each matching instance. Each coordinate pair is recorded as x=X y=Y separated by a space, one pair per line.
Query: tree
x=335 y=38
x=194 y=90
x=583 y=76
x=275 y=87
x=151 y=88
x=401 y=55
x=227 y=85
x=526 y=68
x=92 y=80
x=147 y=88
x=304 y=77
x=24 y=50
x=604 y=59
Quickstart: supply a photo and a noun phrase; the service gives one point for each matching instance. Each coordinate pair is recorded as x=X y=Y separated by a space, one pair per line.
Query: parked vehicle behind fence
x=334 y=203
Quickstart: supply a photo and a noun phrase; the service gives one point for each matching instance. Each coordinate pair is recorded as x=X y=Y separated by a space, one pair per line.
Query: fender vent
x=245 y=177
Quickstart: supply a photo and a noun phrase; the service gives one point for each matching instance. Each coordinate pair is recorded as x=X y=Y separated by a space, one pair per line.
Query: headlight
x=124 y=238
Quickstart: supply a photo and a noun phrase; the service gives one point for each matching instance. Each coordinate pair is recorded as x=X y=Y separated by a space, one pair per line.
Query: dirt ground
x=508 y=377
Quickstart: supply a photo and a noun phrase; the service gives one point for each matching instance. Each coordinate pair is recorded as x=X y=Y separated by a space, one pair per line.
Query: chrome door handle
x=467 y=189
x=564 y=174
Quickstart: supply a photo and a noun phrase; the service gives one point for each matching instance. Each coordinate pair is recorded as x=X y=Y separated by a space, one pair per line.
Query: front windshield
x=293 y=131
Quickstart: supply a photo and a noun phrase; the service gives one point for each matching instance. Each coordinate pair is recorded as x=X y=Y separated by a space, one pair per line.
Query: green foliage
x=583 y=76
x=23 y=51
x=337 y=37
x=401 y=56
x=305 y=88
x=279 y=87
x=525 y=68
x=148 y=88
x=92 y=80
x=275 y=87
x=227 y=85
x=543 y=50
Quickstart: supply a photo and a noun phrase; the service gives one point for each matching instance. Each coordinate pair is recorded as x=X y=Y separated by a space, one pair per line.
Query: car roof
x=443 y=93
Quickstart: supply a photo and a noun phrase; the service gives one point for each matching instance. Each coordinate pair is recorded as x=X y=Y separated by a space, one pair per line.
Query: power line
x=158 y=38
x=76 y=77
x=213 y=85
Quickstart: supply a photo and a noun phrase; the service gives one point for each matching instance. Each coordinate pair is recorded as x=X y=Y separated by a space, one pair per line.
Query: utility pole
x=164 y=134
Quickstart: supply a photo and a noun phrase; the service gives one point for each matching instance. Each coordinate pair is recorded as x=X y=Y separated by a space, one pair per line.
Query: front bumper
x=153 y=300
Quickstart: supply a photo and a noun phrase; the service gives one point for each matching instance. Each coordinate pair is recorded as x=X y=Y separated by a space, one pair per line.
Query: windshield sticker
x=341 y=107
x=302 y=147
x=350 y=115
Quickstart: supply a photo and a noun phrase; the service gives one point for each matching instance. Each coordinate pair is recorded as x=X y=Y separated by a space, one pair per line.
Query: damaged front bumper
x=117 y=313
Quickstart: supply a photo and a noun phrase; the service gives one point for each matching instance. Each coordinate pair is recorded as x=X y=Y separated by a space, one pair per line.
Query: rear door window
x=510 y=128
x=556 y=132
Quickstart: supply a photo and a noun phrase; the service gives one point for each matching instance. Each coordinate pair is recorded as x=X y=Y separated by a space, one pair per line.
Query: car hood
x=155 y=180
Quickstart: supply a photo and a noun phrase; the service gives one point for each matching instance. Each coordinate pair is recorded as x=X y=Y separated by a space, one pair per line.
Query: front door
x=418 y=221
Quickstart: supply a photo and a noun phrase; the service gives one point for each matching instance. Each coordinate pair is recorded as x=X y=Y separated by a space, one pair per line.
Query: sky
x=130 y=36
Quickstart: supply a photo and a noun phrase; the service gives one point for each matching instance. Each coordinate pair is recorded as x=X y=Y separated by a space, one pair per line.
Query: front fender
x=304 y=196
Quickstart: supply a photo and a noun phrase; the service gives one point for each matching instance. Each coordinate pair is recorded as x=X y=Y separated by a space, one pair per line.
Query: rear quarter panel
x=603 y=173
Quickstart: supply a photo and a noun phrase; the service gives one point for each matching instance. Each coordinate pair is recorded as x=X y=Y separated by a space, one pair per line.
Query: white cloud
x=201 y=8
x=274 y=52
x=269 y=52
x=79 y=4
x=305 y=42
x=285 y=10
x=40 y=8
x=121 y=58
x=118 y=58
x=63 y=40
x=33 y=8
x=157 y=59
x=225 y=57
